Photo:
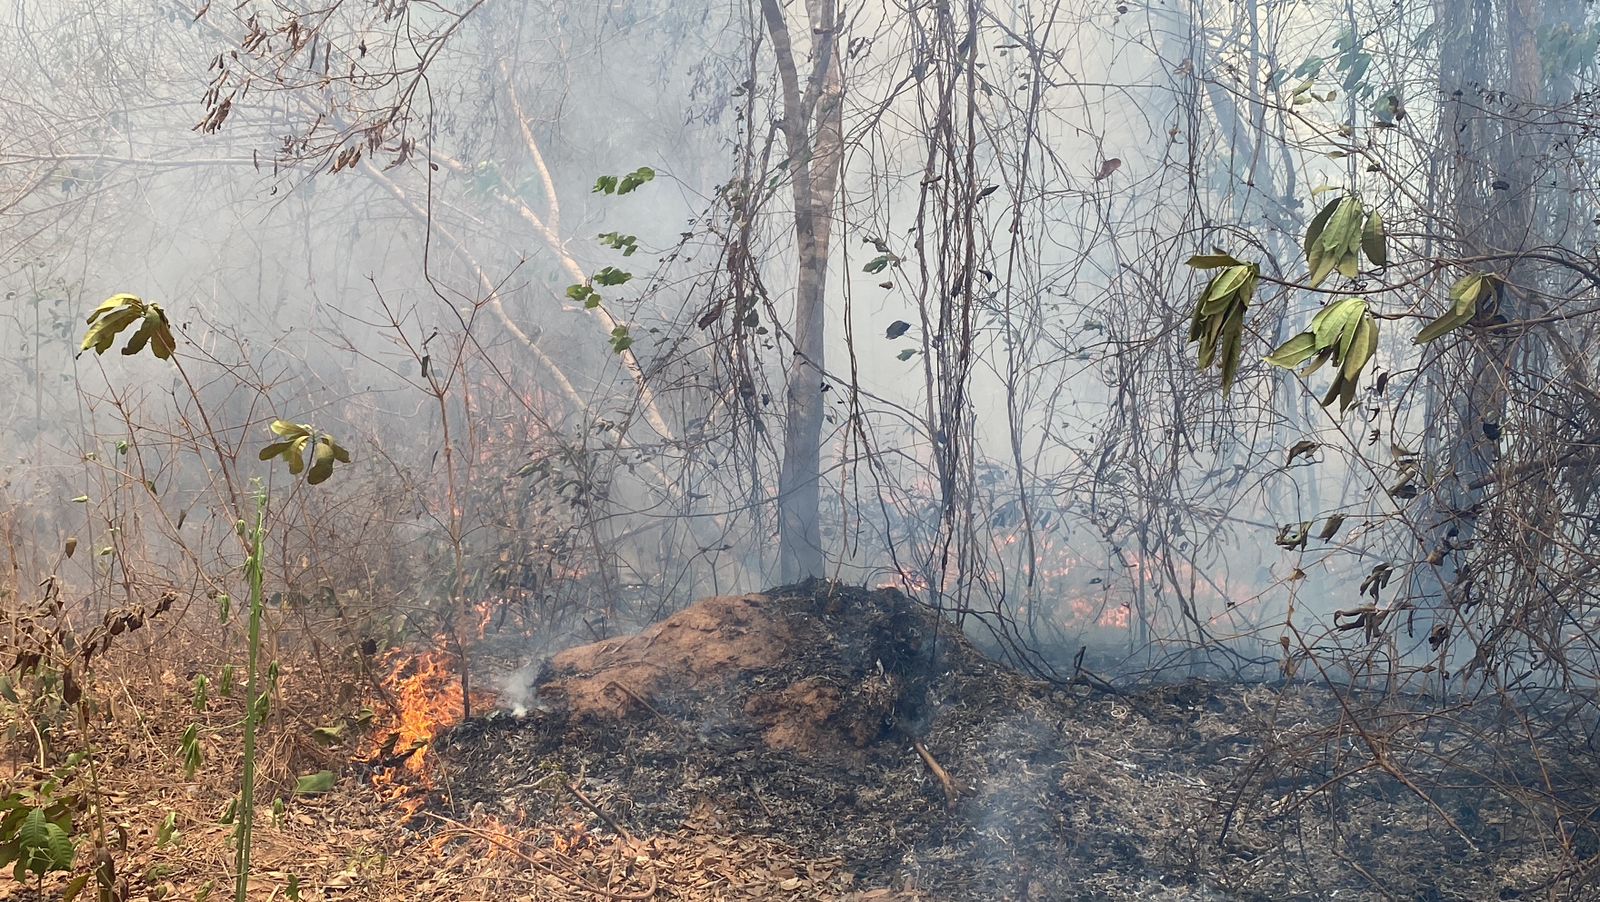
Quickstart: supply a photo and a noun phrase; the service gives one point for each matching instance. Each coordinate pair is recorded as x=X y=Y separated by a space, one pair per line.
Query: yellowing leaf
x=1374 y=242
x=118 y=313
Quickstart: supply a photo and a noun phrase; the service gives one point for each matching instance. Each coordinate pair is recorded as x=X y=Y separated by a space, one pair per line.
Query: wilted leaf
x=1106 y=168
x=896 y=329
x=1303 y=447
x=75 y=886
x=1331 y=527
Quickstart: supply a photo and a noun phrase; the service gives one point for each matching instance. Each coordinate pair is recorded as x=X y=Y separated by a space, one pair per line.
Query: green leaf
x=1345 y=222
x=1218 y=323
x=611 y=276
x=1335 y=319
x=906 y=354
x=276 y=449
x=103 y=334
x=634 y=179
x=189 y=747
x=112 y=303
x=1374 y=243
x=1468 y=292
x=43 y=845
x=1228 y=282
x=314 y=784
x=1295 y=351
x=321 y=462
x=1315 y=229
x=1439 y=327
x=1232 y=331
x=1362 y=346
x=297 y=454
x=167 y=830
x=1213 y=261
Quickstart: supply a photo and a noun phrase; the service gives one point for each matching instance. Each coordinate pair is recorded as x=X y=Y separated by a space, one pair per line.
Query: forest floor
x=823 y=742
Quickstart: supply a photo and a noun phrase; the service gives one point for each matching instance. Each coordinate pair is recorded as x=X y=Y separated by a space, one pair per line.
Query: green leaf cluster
x=609 y=277
x=1218 y=323
x=296 y=438
x=628 y=244
x=1339 y=234
x=1465 y=295
x=1344 y=332
x=120 y=311
x=33 y=841
x=621 y=339
x=624 y=184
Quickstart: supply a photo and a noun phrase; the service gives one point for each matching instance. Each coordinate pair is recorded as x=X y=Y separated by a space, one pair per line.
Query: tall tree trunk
x=813 y=130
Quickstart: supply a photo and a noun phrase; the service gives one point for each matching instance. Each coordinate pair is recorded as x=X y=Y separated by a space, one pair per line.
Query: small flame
x=423 y=699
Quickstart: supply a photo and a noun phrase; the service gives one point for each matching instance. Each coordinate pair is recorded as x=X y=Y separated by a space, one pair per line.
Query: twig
x=951 y=791
x=615 y=827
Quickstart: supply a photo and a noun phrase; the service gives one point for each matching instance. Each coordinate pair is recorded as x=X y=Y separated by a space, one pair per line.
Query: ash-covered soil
x=815 y=715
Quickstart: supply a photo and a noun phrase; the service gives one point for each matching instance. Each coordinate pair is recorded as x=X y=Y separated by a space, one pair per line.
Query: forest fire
x=422 y=694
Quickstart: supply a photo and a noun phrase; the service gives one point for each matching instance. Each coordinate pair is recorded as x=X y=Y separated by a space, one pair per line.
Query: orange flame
x=423 y=698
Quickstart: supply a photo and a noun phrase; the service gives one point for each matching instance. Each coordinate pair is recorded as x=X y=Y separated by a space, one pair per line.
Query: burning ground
x=853 y=737
x=822 y=742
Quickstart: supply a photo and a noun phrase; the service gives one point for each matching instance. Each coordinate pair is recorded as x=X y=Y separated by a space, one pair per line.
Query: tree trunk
x=812 y=127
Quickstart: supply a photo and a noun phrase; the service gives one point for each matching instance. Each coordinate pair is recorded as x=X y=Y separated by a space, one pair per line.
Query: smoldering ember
x=477 y=450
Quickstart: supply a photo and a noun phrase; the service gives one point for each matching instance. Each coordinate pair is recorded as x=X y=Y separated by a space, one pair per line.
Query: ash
x=814 y=715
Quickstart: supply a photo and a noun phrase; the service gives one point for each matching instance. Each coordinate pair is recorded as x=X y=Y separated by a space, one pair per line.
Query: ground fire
x=420 y=697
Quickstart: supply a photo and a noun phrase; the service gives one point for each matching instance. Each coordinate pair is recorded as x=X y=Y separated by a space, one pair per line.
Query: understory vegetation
x=1204 y=394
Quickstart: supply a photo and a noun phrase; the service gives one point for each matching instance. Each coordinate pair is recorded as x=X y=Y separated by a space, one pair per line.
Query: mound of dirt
x=858 y=731
x=819 y=669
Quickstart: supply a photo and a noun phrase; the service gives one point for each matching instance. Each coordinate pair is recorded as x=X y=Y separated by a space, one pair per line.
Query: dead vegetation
x=828 y=742
x=1188 y=791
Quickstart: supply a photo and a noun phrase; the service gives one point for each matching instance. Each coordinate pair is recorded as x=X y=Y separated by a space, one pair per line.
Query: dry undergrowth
x=789 y=746
x=366 y=839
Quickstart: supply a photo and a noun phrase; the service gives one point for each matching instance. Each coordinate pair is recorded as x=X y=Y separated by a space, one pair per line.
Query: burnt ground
x=794 y=718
